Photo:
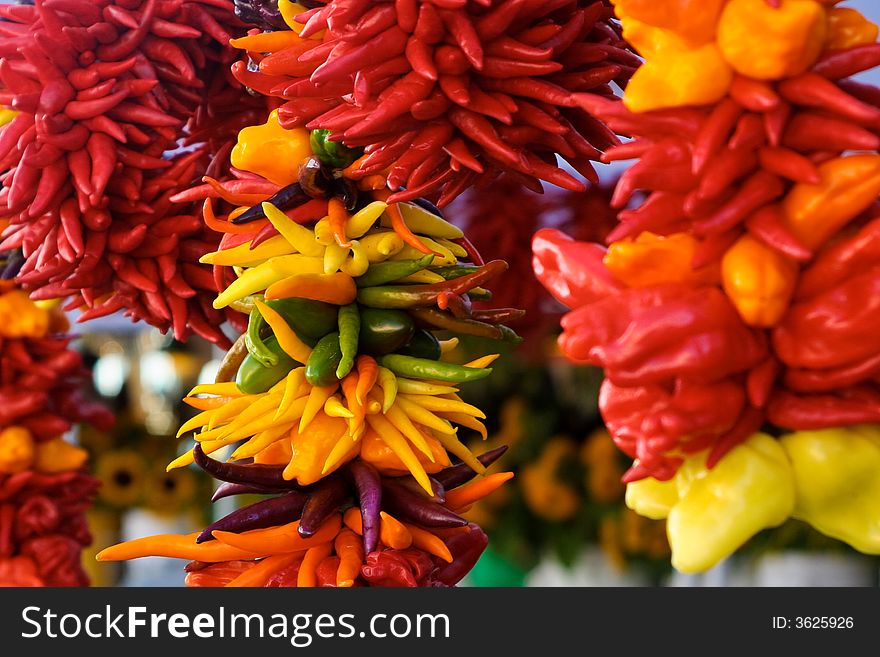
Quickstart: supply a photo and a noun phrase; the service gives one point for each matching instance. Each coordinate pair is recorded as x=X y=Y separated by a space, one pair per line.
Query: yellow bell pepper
x=655 y=259
x=847 y=28
x=848 y=187
x=759 y=280
x=17 y=450
x=58 y=455
x=542 y=490
x=711 y=513
x=694 y=21
x=771 y=43
x=22 y=318
x=676 y=78
x=272 y=151
x=837 y=479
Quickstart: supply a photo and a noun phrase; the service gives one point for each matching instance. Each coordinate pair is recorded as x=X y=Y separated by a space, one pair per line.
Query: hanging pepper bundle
x=103 y=91
x=44 y=491
x=739 y=292
x=339 y=392
x=443 y=94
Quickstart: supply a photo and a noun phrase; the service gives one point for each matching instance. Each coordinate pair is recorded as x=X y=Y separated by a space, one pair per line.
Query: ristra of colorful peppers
x=443 y=95
x=340 y=383
x=103 y=91
x=741 y=290
x=44 y=490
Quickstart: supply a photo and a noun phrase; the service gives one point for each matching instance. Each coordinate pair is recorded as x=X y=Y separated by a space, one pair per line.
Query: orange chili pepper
x=206 y=403
x=368 y=373
x=430 y=543
x=349 y=389
x=477 y=489
x=372 y=183
x=349 y=171
x=174 y=546
x=308 y=576
x=352 y=519
x=225 y=226
x=338 y=288
x=392 y=532
x=399 y=225
x=283 y=538
x=260 y=574
x=338 y=217
x=350 y=549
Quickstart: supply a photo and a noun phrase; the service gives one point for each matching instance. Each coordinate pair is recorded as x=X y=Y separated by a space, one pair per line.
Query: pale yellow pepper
x=771 y=43
x=711 y=513
x=837 y=479
x=17 y=450
x=271 y=151
x=847 y=28
x=759 y=280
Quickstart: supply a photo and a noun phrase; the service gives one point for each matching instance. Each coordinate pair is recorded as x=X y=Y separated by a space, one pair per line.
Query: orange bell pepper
x=759 y=280
x=847 y=28
x=337 y=288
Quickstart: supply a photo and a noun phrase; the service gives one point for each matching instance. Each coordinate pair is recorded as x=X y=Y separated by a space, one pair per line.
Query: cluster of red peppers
x=738 y=290
x=444 y=94
x=44 y=489
x=105 y=92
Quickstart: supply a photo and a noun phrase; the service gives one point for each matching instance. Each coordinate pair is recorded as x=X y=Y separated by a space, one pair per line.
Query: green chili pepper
x=415 y=296
x=254 y=378
x=332 y=153
x=254 y=341
x=434 y=370
x=384 y=331
x=311 y=320
x=443 y=320
x=479 y=294
x=349 y=330
x=454 y=271
x=423 y=344
x=392 y=270
x=321 y=368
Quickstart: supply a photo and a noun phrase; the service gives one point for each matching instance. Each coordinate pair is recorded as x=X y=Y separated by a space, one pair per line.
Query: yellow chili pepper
x=17 y=450
x=771 y=43
x=837 y=480
x=362 y=220
x=271 y=151
x=244 y=256
x=419 y=220
x=759 y=280
x=336 y=288
x=266 y=41
x=847 y=28
x=263 y=276
x=711 y=513
x=849 y=186
x=675 y=78
x=655 y=259
x=381 y=245
x=299 y=237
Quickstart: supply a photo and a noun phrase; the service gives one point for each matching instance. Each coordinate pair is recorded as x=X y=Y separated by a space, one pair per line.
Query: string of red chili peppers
x=44 y=492
x=684 y=371
x=103 y=90
x=445 y=94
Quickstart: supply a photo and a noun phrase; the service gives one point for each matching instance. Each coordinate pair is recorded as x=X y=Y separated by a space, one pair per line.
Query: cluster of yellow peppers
x=693 y=49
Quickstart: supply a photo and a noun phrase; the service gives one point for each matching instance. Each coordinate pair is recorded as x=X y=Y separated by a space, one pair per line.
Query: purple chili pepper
x=227 y=489
x=285 y=198
x=259 y=515
x=254 y=474
x=324 y=499
x=461 y=473
x=403 y=503
x=369 y=488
